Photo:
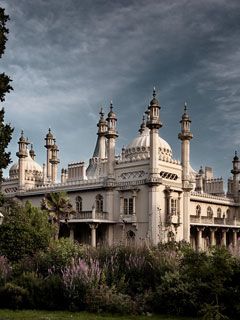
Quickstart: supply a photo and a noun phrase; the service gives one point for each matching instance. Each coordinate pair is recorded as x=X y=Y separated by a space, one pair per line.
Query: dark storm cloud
x=68 y=58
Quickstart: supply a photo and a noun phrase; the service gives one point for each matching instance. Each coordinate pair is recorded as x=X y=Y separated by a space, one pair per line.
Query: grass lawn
x=58 y=315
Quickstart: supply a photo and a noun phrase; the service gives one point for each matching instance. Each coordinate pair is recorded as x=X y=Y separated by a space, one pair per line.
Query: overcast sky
x=67 y=58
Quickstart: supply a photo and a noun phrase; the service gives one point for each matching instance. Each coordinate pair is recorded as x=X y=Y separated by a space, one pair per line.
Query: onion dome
x=22 y=138
x=139 y=148
x=111 y=114
x=154 y=102
x=31 y=166
x=201 y=171
x=236 y=157
x=49 y=135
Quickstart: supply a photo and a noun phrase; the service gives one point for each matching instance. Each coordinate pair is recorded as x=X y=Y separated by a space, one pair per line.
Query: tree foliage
x=5 y=129
x=24 y=231
x=59 y=207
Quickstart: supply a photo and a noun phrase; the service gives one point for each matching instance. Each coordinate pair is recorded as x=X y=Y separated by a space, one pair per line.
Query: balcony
x=214 y=221
x=90 y=215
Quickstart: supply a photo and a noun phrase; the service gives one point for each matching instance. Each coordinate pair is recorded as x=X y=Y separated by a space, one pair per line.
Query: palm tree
x=59 y=208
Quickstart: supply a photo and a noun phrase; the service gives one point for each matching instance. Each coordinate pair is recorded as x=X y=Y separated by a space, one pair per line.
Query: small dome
x=140 y=147
x=111 y=114
x=49 y=134
x=30 y=166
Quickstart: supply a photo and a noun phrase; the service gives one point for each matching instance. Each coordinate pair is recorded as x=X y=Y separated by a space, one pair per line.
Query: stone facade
x=142 y=195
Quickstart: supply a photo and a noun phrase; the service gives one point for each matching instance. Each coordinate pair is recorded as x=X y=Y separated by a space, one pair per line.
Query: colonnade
x=203 y=237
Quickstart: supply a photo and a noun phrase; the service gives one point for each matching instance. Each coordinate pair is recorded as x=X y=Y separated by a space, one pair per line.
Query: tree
x=25 y=230
x=59 y=207
x=5 y=129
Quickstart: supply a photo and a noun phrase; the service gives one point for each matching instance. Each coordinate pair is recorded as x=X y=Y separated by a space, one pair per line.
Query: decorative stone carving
x=132 y=175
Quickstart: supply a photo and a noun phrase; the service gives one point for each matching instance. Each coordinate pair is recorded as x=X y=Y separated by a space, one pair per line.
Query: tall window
x=99 y=203
x=128 y=205
x=78 y=204
x=219 y=213
x=209 y=212
x=198 y=210
x=173 y=206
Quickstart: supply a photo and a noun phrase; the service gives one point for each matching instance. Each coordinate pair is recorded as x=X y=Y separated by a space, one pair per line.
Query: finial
x=31 y=146
x=235 y=153
x=49 y=130
x=111 y=105
x=101 y=113
x=185 y=106
x=154 y=92
x=22 y=133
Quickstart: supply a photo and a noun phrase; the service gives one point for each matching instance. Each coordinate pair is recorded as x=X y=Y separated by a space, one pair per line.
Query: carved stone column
x=212 y=237
x=93 y=227
x=199 y=238
x=235 y=231
x=71 y=236
x=224 y=237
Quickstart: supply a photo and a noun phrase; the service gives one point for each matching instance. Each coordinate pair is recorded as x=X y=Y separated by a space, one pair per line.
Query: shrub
x=77 y=278
x=5 y=270
x=13 y=296
x=58 y=255
x=105 y=299
x=24 y=231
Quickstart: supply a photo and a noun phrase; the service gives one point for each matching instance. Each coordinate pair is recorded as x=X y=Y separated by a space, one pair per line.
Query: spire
x=49 y=139
x=153 y=114
x=185 y=126
x=32 y=153
x=154 y=101
x=201 y=170
x=102 y=124
x=236 y=164
x=23 y=143
x=235 y=157
x=111 y=121
x=185 y=115
x=143 y=125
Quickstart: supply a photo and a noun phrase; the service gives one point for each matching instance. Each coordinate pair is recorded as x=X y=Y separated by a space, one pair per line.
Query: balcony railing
x=214 y=221
x=89 y=215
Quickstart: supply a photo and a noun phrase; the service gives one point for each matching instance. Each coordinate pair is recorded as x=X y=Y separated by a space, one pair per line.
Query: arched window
x=198 y=210
x=209 y=212
x=78 y=204
x=99 y=203
x=219 y=213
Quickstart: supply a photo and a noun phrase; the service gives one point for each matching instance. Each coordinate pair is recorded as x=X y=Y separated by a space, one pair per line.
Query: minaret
x=185 y=136
x=22 y=154
x=111 y=135
x=54 y=161
x=102 y=129
x=154 y=180
x=142 y=126
x=235 y=171
x=32 y=153
x=48 y=146
x=154 y=124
